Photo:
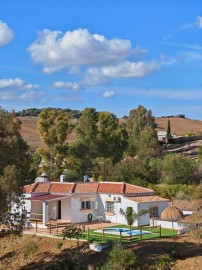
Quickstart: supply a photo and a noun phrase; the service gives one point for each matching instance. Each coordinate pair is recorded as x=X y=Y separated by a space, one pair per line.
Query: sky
x=112 y=55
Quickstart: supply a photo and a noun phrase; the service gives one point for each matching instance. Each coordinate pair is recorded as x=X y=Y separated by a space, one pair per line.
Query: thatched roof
x=171 y=213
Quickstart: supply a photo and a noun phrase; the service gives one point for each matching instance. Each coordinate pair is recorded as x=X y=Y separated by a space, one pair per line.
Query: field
x=33 y=252
x=179 y=126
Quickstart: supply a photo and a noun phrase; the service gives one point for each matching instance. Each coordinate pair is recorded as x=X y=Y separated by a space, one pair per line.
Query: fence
x=119 y=236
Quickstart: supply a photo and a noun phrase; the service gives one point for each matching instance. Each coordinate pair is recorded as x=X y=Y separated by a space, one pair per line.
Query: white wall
x=52 y=209
x=167 y=224
x=78 y=215
x=117 y=217
x=36 y=207
x=66 y=209
x=145 y=220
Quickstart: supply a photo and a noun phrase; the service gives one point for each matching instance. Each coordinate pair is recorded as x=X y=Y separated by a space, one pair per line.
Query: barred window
x=109 y=207
x=154 y=211
x=86 y=205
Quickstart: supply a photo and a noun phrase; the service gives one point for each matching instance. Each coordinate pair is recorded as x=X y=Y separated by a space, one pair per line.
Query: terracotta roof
x=145 y=199
x=86 y=188
x=132 y=189
x=61 y=187
x=47 y=197
x=42 y=187
x=29 y=188
x=110 y=187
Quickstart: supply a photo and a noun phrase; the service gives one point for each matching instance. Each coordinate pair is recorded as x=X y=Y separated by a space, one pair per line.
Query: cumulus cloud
x=6 y=34
x=16 y=83
x=55 y=50
x=108 y=94
x=68 y=85
x=125 y=69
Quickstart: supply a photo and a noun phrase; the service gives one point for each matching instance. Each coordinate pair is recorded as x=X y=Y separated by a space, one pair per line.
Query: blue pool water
x=126 y=231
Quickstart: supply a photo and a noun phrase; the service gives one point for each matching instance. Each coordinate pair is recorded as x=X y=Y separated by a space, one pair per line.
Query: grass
x=98 y=236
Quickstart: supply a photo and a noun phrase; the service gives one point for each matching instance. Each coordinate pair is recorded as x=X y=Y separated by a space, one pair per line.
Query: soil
x=33 y=252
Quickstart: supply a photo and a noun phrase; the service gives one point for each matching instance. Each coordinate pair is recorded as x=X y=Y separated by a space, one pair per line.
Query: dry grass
x=32 y=252
x=178 y=126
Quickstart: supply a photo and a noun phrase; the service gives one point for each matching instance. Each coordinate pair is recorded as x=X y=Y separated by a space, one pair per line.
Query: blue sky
x=111 y=55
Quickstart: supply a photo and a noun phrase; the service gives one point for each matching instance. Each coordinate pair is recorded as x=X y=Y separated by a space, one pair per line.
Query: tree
x=141 y=129
x=13 y=149
x=130 y=215
x=112 y=137
x=168 y=135
x=54 y=127
x=72 y=231
x=177 y=169
x=15 y=160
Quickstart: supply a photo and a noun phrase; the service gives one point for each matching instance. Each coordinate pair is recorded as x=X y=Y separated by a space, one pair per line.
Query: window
x=154 y=211
x=109 y=207
x=85 y=205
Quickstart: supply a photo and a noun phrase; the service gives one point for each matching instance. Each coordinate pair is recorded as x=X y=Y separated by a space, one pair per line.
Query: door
x=59 y=209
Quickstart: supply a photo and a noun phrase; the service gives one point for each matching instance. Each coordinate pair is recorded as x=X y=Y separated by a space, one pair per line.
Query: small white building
x=73 y=202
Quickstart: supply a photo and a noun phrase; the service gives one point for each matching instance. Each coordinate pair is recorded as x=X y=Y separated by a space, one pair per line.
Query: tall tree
x=54 y=126
x=141 y=128
x=15 y=163
x=112 y=137
x=168 y=134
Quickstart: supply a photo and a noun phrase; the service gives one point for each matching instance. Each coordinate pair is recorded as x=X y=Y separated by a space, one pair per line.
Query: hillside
x=179 y=126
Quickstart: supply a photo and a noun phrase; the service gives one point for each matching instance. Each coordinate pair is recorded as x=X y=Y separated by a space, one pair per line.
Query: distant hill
x=179 y=126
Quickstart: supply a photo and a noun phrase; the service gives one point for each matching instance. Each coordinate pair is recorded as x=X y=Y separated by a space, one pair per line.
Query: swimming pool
x=124 y=231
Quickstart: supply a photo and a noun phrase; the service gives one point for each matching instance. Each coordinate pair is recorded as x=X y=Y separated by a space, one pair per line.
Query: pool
x=124 y=231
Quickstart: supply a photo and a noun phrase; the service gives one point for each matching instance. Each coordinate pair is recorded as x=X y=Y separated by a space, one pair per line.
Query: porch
x=48 y=209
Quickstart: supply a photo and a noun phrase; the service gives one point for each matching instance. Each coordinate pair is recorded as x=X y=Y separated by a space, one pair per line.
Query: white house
x=73 y=202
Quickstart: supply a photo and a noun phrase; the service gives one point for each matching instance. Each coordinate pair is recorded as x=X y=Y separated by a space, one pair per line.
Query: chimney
x=86 y=178
x=44 y=177
x=62 y=178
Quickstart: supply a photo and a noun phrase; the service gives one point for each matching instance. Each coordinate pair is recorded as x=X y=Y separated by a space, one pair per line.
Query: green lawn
x=98 y=237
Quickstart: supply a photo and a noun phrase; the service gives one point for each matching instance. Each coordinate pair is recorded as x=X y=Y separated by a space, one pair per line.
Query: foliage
x=177 y=169
x=72 y=231
x=10 y=140
x=164 y=263
x=120 y=259
x=130 y=215
x=59 y=245
x=168 y=135
x=54 y=127
x=142 y=135
x=15 y=160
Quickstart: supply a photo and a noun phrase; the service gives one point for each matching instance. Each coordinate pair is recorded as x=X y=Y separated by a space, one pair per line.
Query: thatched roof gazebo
x=171 y=213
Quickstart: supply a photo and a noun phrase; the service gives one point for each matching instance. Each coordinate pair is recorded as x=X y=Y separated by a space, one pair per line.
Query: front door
x=59 y=209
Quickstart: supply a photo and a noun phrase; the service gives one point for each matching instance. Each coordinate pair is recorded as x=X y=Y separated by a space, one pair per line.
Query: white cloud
x=199 y=22
x=16 y=83
x=31 y=96
x=55 y=50
x=6 y=34
x=127 y=69
x=68 y=85
x=108 y=94
x=28 y=96
x=94 y=76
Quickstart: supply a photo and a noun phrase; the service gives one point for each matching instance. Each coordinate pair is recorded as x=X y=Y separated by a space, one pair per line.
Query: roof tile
x=132 y=189
x=86 y=188
x=42 y=187
x=61 y=187
x=111 y=187
x=145 y=199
